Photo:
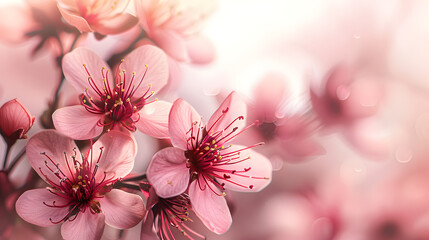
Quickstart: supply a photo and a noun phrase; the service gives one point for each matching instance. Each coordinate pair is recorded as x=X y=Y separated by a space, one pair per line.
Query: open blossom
x=15 y=121
x=80 y=193
x=125 y=101
x=203 y=159
x=175 y=26
x=166 y=214
x=101 y=16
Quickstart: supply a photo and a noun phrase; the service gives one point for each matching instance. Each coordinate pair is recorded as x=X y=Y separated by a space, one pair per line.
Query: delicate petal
x=258 y=177
x=172 y=44
x=77 y=21
x=122 y=210
x=77 y=122
x=118 y=153
x=231 y=108
x=154 y=119
x=182 y=118
x=23 y=22
x=157 y=69
x=119 y=24
x=75 y=73
x=167 y=172
x=86 y=226
x=147 y=232
x=30 y=207
x=200 y=50
x=54 y=145
x=209 y=207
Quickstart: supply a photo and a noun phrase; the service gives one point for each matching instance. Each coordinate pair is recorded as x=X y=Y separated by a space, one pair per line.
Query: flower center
x=118 y=101
x=81 y=189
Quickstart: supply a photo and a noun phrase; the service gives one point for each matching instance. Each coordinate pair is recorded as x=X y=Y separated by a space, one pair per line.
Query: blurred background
x=341 y=93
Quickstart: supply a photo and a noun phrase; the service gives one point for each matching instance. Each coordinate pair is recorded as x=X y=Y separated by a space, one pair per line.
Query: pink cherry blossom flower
x=15 y=121
x=80 y=193
x=123 y=102
x=203 y=159
x=104 y=17
x=175 y=26
x=165 y=215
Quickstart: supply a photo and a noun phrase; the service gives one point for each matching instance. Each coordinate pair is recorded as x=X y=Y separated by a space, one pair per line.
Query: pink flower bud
x=15 y=121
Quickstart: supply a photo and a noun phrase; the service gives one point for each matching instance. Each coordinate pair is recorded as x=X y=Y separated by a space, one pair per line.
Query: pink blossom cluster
x=116 y=137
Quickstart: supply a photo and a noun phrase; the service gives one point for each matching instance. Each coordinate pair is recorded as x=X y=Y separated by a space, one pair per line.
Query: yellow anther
x=84 y=65
x=146 y=65
x=122 y=60
x=80 y=183
x=123 y=70
x=213 y=141
x=128 y=100
x=206 y=148
x=103 y=68
x=134 y=73
x=109 y=97
x=79 y=177
x=104 y=79
x=223 y=194
x=84 y=101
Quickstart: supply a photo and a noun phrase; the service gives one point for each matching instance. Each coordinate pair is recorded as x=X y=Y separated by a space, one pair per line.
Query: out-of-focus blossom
x=15 y=121
x=175 y=26
x=345 y=97
x=120 y=102
x=287 y=134
x=204 y=159
x=166 y=214
x=104 y=17
x=37 y=18
x=80 y=193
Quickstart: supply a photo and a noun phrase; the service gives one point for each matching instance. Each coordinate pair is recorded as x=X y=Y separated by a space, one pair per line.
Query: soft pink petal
x=15 y=116
x=54 y=145
x=172 y=44
x=119 y=24
x=231 y=108
x=117 y=155
x=269 y=92
x=30 y=207
x=75 y=73
x=147 y=232
x=167 y=172
x=258 y=177
x=156 y=71
x=154 y=119
x=210 y=208
x=200 y=50
x=142 y=11
x=122 y=210
x=77 y=122
x=86 y=226
x=182 y=118
x=77 y=21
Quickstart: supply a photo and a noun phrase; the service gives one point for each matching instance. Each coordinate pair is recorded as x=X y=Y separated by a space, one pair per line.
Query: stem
x=135 y=178
x=6 y=156
x=126 y=185
x=16 y=159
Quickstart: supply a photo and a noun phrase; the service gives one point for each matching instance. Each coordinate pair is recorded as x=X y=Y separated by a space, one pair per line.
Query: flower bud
x=15 y=121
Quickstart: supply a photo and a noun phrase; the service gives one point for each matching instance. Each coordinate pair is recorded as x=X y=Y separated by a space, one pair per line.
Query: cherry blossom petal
x=231 y=108
x=147 y=232
x=77 y=21
x=118 y=152
x=75 y=73
x=86 y=226
x=167 y=172
x=253 y=180
x=156 y=76
x=77 y=122
x=182 y=118
x=122 y=210
x=15 y=116
x=23 y=22
x=30 y=207
x=154 y=119
x=54 y=145
x=118 y=24
x=200 y=50
x=210 y=208
x=172 y=44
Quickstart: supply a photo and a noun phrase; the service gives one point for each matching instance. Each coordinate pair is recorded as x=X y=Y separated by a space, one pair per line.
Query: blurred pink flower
x=101 y=16
x=203 y=159
x=165 y=213
x=345 y=97
x=15 y=121
x=175 y=26
x=80 y=190
x=290 y=134
x=37 y=18
x=122 y=102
